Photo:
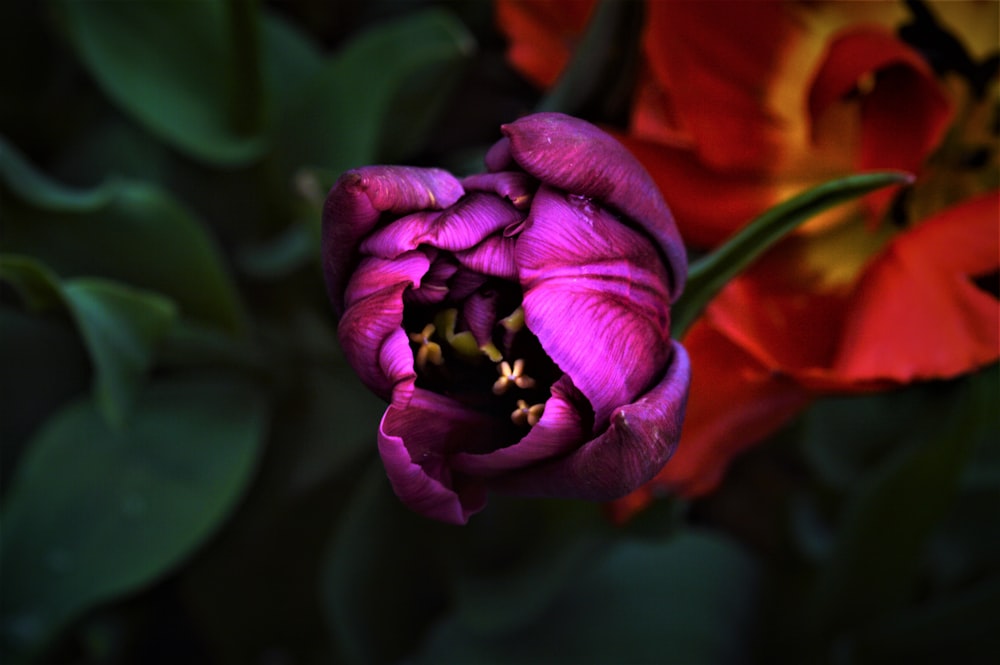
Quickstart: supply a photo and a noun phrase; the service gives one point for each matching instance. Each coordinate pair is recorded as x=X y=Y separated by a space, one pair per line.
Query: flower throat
x=506 y=374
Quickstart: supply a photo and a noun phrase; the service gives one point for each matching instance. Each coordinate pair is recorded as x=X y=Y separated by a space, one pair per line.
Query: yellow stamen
x=527 y=415
x=428 y=350
x=515 y=321
x=509 y=375
x=464 y=343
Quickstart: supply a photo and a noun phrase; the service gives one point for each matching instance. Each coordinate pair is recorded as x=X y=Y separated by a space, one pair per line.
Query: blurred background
x=188 y=465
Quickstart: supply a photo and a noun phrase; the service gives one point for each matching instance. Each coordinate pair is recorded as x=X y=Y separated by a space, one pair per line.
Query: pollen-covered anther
x=527 y=415
x=509 y=375
x=428 y=350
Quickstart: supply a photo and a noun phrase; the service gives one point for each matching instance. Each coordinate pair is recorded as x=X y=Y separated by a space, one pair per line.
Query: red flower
x=743 y=104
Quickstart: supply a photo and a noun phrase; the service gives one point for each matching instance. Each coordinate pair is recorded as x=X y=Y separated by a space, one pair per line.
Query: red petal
x=917 y=313
x=903 y=116
x=714 y=62
x=542 y=35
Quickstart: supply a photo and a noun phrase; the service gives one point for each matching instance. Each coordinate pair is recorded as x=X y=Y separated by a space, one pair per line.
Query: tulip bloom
x=742 y=104
x=517 y=321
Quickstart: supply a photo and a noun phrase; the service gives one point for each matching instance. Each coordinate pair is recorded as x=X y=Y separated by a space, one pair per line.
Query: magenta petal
x=579 y=158
x=562 y=428
x=416 y=439
x=498 y=157
x=493 y=256
x=595 y=295
x=370 y=331
x=514 y=186
x=356 y=203
x=434 y=285
x=460 y=227
x=480 y=314
x=638 y=443
x=402 y=235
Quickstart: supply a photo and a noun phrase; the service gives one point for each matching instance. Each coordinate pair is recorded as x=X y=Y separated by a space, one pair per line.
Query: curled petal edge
x=638 y=443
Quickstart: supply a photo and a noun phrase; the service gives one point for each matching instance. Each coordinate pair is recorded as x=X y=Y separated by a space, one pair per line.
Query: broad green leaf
x=36 y=189
x=44 y=364
x=888 y=522
x=709 y=274
x=94 y=513
x=333 y=420
x=383 y=579
x=690 y=599
x=188 y=71
x=121 y=326
x=37 y=285
x=338 y=120
x=513 y=560
x=290 y=58
x=126 y=231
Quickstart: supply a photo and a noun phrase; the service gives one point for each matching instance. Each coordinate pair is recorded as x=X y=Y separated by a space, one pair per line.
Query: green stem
x=709 y=274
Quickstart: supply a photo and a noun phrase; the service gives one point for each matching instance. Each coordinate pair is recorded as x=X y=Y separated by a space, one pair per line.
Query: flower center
x=487 y=362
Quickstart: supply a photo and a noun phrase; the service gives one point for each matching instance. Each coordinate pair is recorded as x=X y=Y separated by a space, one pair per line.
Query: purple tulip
x=517 y=321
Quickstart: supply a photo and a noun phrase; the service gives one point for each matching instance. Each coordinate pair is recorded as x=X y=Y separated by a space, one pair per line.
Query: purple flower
x=517 y=321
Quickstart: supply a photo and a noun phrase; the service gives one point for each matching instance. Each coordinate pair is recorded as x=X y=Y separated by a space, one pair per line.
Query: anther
x=527 y=415
x=428 y=350
x=509 y=375
x=463 y=343
x=515 y=321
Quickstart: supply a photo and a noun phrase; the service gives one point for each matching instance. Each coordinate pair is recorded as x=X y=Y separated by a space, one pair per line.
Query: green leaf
x=35 y=188
x=44 y=364
x=188 y=71
x=689 y=599
x=888 y=523
x=120 y=326
x=383 y=580
x=708 y=275
x=124 y=231
x=94 y=513
x=338 y=120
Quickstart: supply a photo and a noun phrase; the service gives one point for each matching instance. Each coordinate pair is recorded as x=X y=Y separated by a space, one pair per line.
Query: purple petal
x=579 y=158
x=402 y=235
x=595 y=295
x=514 y=186
x=464 y=283
x=461 y=226
x=356 y=203
x=434 y=285
x=498 y=157
x=416 y=440
x=562 y=428
x=370 y=330
x=493 y=256
x=480 y=313
x=638 y=443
